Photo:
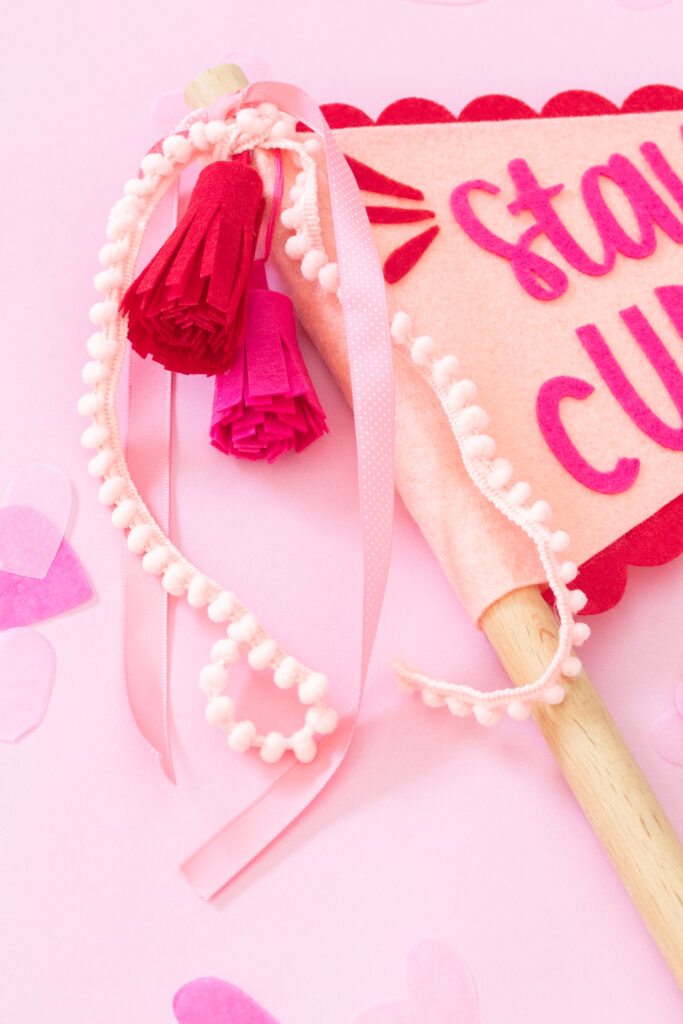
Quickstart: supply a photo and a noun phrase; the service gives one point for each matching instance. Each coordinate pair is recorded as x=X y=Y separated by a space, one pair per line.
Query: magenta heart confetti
x=25 y=600
x=27 y=671
x=212 y=1001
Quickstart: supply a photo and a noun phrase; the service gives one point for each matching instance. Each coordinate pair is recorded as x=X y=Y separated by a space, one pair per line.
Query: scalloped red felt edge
x=659 y=539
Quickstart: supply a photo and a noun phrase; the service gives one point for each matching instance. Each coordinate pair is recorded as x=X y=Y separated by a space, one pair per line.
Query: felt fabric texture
x=186 y=309
x=25 y=600
x=511 y=344
x=212 y=1001
x=27 y=671
x=402 y=260
x=371 y=180
x=25 y=547
x=396 y=215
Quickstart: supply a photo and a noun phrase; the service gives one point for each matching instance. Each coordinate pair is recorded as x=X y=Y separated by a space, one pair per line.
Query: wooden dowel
x=600 y=769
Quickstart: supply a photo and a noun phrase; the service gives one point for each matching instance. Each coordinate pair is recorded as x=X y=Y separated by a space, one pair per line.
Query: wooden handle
x=600 y=769
x=214 y=82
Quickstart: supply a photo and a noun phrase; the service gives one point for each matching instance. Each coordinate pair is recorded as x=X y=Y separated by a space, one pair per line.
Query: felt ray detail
x=402 y=260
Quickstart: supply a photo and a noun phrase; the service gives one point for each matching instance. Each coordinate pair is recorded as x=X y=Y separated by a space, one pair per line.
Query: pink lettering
x=556 y=437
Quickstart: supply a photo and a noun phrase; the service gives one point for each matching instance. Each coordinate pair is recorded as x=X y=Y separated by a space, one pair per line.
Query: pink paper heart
x=27 y=670
x=212 y=1001
x=667 y=736
x=678 y=699
x=440 y=991
x=25 y=600
x=27 y=545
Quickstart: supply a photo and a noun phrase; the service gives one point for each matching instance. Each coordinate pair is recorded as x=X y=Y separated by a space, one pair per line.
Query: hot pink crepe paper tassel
x=266 y=404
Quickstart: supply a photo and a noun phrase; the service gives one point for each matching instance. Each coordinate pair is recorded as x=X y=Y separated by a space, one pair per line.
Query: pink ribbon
x=366 y=322
x=145 y=604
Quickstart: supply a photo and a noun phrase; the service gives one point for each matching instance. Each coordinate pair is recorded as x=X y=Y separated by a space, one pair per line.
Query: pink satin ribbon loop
x=366 y=322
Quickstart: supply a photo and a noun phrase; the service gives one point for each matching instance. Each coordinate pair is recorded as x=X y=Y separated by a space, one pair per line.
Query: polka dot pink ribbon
x=366 y=322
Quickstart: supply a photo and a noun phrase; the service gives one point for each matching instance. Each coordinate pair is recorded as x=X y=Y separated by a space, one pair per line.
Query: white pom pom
x=541 y=512
x=242 y=736
x=312 y=146
x=286 y=673
x=485 y=715
x=197 y=594
x=431 y=699
x=313 y=261
x=291 y=218
x=244 y=629
x=220 y=710
x=107 y=280
x=328 y=278
x=225 y=650
x=296 y=192
x=151 y=163
x=580 y=633
x=283 y=130
x=472 y=418
x=422 y=350
x=519 y=493
x=177 y=148
x=295 y=247
x=94 y=372
x=269 y=111
x=100 y=347
x=322 y=720
x=458 y=707
x=213 y=678
x=571 y=667
x=519 y=710
x=108 y=254
x=156 y=560
x=577 y=600
x=197 y=136
x=559 y=541
x=221 y=608
x=260 y=656
x=102 y=462
x=215 y=131
x=501 y=474
x=444 y=371
x=479 y=446
x=135 y=189
x=554 y=694
x=304 y=746
x=139 y=537
x=462 y=392
x=568 y=572
x=111 y=489
x=90 y=404
x=312 y=688
x=95 y=436
x=273 y=747
x=173 y=580
x=400 y=328
x=245 y=118
x=124 y=514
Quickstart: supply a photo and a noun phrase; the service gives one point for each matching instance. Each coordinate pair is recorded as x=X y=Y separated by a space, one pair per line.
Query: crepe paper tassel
x=25 y=600
x=440 y=987
x=186 y=308
x=27 y=547
x=27 y=672
x=266 y=404
x=212 y=1001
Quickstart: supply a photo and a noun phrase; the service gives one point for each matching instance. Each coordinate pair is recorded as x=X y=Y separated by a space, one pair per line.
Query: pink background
x=434 y=828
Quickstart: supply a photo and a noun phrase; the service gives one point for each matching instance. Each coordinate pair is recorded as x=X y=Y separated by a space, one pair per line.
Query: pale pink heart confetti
x=29 y=542
x=440 y=990
x=212 y=1001
x=27 y=671
x=667 y=732
x=642 y=5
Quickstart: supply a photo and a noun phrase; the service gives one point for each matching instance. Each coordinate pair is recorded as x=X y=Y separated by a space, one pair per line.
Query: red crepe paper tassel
x=186 y=309
x=266 y=404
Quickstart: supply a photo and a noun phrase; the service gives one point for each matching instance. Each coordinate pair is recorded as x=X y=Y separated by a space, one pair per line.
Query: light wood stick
x=590 y=751
x=600 y=769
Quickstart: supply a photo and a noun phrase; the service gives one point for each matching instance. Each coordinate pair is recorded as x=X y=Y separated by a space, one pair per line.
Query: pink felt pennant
x=440 y=991
x=212 y=1001
x=28 y=544
x=25 y=600
x=27 y=670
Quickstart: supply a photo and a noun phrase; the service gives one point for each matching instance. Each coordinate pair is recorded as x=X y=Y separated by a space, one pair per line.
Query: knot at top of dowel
x=214 y=82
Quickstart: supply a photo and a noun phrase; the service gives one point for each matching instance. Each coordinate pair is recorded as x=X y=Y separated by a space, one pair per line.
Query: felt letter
x=663 y=169
x=620 y=386
x=556 y=437
x=531 y=197
x=529 y=268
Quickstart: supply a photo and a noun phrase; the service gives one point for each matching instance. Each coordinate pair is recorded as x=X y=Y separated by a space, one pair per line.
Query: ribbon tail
x=148 y=444
x=366 y=322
